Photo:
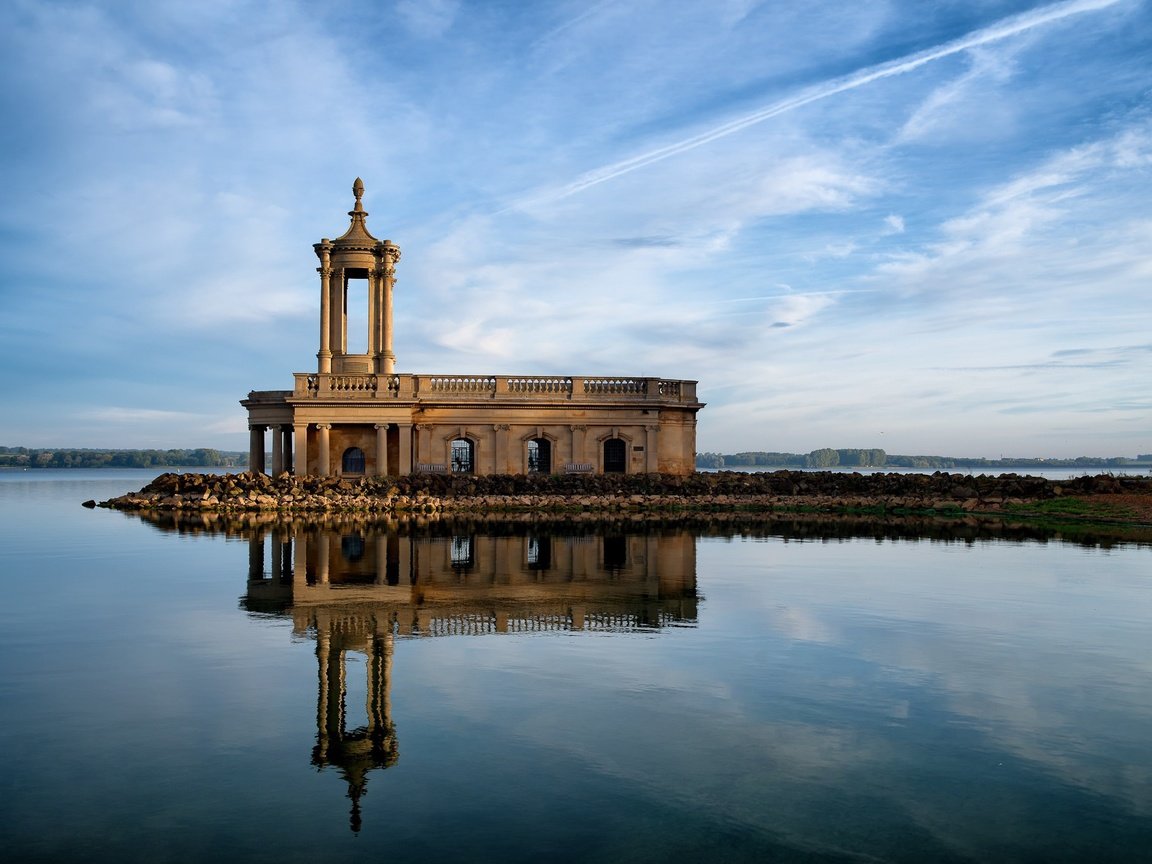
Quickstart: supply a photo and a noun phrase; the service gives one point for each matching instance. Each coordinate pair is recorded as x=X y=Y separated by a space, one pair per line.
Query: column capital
x=324 y=426
x=382 y=425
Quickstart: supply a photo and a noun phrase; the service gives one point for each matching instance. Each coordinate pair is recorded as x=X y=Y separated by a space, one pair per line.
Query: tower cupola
x=356 y=255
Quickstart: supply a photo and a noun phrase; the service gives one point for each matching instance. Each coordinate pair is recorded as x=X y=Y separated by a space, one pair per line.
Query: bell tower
x=356 y=254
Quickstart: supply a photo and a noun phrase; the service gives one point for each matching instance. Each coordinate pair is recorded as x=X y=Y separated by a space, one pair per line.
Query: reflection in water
x=932 y=693
x=355 y=588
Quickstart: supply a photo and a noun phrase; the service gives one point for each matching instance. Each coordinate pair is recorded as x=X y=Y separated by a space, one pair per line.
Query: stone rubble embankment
x=726 y=490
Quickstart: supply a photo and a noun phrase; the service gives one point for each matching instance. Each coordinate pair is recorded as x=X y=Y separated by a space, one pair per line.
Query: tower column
x=391 y=254
x=324 y=357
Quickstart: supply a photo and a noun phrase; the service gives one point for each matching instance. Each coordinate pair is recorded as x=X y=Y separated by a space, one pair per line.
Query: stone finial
x=357 y=233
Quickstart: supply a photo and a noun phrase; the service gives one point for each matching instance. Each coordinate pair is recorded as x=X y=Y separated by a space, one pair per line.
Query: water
x=548 y=692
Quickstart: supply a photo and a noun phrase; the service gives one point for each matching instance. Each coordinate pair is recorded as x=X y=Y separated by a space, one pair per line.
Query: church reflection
x=356 y=589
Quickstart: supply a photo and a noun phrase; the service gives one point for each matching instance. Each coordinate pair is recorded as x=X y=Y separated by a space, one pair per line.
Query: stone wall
x=779 y=490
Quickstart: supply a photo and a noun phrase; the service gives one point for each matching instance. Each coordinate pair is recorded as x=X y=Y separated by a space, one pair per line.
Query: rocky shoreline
x=784 y=491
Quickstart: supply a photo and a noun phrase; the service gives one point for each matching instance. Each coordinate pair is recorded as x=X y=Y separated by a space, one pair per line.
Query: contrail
x=1001 y=30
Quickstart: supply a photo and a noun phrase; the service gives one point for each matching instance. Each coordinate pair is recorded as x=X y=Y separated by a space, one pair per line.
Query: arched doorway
x=539 y=456
x=353 y=461
x=463 y=456
x=615 y=456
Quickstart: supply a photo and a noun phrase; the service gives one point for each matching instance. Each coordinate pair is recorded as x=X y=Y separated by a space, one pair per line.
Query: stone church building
x=356 y=416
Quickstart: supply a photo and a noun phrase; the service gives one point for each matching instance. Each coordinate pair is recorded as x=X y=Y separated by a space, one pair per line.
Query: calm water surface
x=526 y=692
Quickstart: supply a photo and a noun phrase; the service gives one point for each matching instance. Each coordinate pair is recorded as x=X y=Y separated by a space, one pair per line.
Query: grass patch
x=1077 y=508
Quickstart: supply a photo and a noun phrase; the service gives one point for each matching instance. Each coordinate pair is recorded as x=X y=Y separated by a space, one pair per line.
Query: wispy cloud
x=1009 y=27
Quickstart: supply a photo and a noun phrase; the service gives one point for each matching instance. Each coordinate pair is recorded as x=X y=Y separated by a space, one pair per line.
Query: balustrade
x=629 y=386
x=540 y=385
x=353 y=383
x=417 y=387
x=465 y=384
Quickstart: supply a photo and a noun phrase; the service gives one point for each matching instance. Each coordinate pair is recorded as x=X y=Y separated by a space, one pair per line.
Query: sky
x=921 y=227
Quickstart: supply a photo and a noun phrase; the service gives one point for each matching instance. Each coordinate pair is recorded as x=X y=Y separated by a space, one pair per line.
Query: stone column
x=256 y=448
x=289 y=457
x=405 y=466
x=381 y=449
x=373 y=317
x=324 y=357
x=277 y=451
x=322 y=467
x=300 y=458
x=391 y=255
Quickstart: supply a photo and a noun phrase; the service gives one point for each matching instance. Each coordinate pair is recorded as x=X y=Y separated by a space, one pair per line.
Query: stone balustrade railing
x=511 y=387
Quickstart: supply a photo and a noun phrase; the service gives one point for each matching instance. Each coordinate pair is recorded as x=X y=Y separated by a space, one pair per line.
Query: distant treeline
x=855 y=458
x=201 y=457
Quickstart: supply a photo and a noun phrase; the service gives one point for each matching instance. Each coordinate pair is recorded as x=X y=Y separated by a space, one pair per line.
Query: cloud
x=1001 y=30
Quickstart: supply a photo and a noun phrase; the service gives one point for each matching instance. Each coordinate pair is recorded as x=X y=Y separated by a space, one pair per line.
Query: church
x=357 y=416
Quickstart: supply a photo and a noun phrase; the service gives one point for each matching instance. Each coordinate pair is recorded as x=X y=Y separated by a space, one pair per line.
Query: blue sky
x=917 y=226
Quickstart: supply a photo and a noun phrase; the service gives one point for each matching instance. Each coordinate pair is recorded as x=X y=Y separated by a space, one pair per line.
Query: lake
x=789 y=691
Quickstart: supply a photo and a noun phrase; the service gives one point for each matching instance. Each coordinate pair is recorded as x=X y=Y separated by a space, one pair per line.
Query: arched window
x=539 y=456
x=353 y=461
x=463 y=456
x=615 y=456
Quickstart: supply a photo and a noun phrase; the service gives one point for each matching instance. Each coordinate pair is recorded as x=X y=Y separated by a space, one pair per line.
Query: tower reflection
x=356 y=589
